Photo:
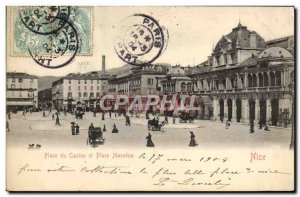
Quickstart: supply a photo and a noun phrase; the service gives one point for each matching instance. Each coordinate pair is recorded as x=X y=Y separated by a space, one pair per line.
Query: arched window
x=272 y=79
x=250 y=81
x=208 y=85
x=189 y=87
x=224 y=84
x=183 y=87
x=278 y=78
x=216 y=85
x=260 y=80
x=254 y=80
x=201 y=85
x=266 y=79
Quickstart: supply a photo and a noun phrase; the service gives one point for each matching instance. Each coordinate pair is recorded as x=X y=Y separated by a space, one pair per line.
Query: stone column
x=245 y=111
x=257 y=79
x=216 y=108
x=206 y=112
x=246 y=80
x=225 y=110
x=233 y=119
x=257 y=110
x=200 y=112
x=282 y=78
x=269 y=110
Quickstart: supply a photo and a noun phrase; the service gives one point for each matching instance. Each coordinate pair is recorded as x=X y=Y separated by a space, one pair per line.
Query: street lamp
x=291 y=89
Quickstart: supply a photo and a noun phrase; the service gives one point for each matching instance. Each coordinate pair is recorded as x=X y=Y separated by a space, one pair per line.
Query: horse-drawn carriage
x=79 y=114
x=154 y=125
x=95 y=136
x=186 y=117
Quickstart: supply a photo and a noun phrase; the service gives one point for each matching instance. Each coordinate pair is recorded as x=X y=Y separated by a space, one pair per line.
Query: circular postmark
x=57 y=49
x=44 y=19
x=139 y=40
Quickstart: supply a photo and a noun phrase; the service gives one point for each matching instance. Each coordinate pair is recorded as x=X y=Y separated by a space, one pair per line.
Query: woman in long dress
x=193 y=141
x=115 y=130
x=149 y=141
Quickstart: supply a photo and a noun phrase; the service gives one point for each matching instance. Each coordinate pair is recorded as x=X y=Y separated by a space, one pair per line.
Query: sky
x=193 y=31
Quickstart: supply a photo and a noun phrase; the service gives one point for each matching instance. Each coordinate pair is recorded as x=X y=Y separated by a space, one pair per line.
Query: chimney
x=103 y=64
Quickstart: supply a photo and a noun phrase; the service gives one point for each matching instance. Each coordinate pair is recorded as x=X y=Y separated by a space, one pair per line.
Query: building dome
x=176 y=72
x=240 y=37
x=275 y=52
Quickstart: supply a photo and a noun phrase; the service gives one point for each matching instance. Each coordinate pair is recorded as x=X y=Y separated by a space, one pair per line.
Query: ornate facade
x=245 y=79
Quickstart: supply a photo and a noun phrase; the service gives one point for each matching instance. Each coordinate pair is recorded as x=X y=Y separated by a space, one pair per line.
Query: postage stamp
x=140 y=40
x=59 y=48
x=30 y=22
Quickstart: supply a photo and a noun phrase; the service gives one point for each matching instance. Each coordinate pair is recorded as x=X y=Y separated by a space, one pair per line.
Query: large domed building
x=247 y=78
x=237 y=46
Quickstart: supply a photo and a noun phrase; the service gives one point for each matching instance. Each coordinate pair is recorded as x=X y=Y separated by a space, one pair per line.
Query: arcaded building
x=246 y=78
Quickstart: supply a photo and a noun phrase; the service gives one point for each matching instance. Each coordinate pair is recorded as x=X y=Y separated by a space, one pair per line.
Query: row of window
x=85 y=81
x=84 y=88
x=19 y=80
x=183 y=87
x=85 y=94
x=20 y=94
x=20 y=86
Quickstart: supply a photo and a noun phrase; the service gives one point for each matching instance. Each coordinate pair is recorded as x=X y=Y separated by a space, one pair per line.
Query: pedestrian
x=7 y=126
x=53 y=116
x=166 y=119
x=44 y=114
x=251 y=126
x=149 y=141
x=57 y=121
x=8 y=115
x=77 y=129
x=102 y=115
x=104 y=128
x=260 y=124
x=115 y=130
x=267 y=127
x=127 y=120
x=174 y=120
x=193 y=141
x=227 y=124
x=91 y=128
x=109 y=114
x=73 y=128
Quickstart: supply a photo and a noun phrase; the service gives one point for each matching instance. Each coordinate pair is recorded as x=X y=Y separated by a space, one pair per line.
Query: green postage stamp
x=31 y=26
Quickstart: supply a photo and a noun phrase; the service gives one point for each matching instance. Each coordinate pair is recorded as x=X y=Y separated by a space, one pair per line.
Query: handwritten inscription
x=208 y=173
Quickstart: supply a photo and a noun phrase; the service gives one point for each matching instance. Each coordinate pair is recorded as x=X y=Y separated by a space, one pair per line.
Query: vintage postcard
x=150 y=98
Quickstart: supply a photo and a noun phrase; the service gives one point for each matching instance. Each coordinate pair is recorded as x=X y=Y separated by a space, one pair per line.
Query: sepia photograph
x=152 y=98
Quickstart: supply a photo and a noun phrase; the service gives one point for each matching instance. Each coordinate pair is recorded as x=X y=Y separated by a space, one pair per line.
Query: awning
x=20 y=103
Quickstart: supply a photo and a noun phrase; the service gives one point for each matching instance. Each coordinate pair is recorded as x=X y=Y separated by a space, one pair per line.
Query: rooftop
x=20 y=75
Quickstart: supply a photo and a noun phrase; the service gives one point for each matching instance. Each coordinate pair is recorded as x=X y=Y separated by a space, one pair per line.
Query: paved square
x=34 y=129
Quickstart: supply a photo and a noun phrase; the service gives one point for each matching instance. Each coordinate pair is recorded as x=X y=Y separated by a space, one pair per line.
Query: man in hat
x=77 y=129
x=73 y=128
